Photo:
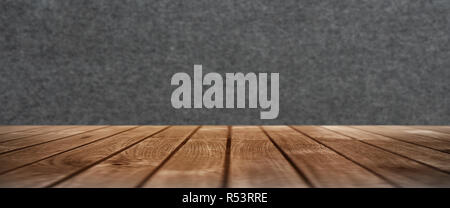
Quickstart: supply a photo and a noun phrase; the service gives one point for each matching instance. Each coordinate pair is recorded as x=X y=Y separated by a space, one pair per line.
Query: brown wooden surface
x=443 y=129
x=224 y=156
x=256 y=162
x=16 y=133
x=322 y=166
x=9 y=129
x=424 y=155
x=398 y=170
x=413 y=138
x=198 y=163
x=132 y=166
x=421 y=131
x=16 y=144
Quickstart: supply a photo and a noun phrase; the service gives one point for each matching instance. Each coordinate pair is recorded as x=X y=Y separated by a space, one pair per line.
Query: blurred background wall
x=110 y=61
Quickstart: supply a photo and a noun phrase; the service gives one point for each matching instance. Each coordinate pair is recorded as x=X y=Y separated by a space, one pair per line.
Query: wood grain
x=428 y=156
x=418 y=131
x=401 y=171
x=198 y=163
x=442 y=129
x=17 y=144
x=49 y=171
x=26 y=156
x=322 y=166
x=417 y=139
x=9 y=129
x=256 y=162
x=31 y=132
x=130 y=167
x=221 y=156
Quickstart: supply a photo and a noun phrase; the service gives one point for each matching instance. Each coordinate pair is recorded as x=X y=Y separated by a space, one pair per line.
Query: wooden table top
x=224 y=156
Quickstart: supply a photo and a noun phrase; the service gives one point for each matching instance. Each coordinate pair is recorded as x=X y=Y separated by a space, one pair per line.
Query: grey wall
x=110 y=62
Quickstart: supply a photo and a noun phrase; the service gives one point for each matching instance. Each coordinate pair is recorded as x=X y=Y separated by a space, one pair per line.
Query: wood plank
x=418 y=131
x=322 y=166
x=130 y=167
x=442 y=129
x=428 y=156
x=198 y=163
x=256 y=162
x=17 y=144
x=49 y=172
x=424 y=141
x=26 y=156
x=31 y=132
x=15 y=128
x=398 y=170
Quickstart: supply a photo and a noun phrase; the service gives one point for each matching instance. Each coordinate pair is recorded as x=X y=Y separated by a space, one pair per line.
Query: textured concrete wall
x=110 y=61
